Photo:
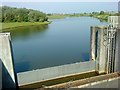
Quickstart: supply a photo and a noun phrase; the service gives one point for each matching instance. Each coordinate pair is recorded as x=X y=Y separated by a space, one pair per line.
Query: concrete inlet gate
x=98 y=60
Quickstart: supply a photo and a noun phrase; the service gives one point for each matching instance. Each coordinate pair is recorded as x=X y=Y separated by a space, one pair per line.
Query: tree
x=102 y=12
x=10 y=14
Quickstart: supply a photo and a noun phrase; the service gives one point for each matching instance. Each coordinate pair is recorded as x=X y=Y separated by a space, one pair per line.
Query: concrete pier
x=105 y=46
x=8 y=74
x=117 y=53
x=98 y=47
x=93 y=43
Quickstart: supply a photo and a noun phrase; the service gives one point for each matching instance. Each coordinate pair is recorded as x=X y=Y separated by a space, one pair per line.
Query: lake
x=64 y=41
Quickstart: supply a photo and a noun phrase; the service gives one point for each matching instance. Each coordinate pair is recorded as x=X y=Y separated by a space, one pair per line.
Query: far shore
x=11 y=25
x=59 y=16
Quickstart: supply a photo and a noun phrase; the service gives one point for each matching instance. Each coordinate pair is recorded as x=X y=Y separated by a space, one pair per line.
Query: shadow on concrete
x=0 y=74
x=118 y=51
x=7 y=81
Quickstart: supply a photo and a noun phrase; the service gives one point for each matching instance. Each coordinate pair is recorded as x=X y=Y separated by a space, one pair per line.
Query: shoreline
x=11 y=25
x=99 y=17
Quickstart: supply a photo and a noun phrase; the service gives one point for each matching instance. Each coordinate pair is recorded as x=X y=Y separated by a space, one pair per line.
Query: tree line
x=101 y=15
x=11 y=14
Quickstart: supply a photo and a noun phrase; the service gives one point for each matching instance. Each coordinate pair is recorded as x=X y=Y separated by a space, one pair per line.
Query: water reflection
x=85 y=56
x=26 y=32
x=64 y=41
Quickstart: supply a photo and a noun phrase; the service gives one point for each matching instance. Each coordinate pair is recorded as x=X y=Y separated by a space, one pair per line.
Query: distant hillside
x=11 y=14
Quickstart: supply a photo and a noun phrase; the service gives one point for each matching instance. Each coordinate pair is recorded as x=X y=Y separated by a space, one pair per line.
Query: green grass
x=20 y=24
x=58 y=16
x=101 y=17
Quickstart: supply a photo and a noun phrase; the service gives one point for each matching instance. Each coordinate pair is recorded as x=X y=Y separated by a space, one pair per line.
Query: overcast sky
x=66 y=7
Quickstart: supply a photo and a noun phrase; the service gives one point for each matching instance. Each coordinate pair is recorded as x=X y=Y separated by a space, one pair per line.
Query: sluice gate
x=104 y=56
x=104 y=45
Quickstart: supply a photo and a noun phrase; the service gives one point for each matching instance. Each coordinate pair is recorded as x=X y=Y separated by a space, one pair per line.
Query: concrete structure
x=114 y=20
x=101 y=81
x=105 y=45
x=110 y=83
x=98 y=47
x=40 y=75
x=104 y=58
x=6 y=58
x=115 y=23
x=117 y=55
x=104 y=81
x=0 y=75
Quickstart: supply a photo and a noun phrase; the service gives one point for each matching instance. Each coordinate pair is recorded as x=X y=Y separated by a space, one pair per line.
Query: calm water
x=64 y=41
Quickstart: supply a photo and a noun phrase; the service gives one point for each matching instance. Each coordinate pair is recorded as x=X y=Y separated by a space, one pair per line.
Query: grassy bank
x=21 y=24
x=102 y=16
x=56 y=16
x=59 y=16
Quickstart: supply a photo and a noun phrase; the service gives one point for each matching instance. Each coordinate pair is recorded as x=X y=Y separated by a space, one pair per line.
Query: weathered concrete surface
x=114 y=20
x=111 y=83
x=92 y=43
x=114 y=46
x=102 y=52
x=98 y=47
x=8 y=75
x=39 y=75
x=89 y=82
x=117 y=55
x=0 y=75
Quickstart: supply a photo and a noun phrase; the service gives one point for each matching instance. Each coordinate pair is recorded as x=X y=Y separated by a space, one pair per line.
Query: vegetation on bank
x=11 y=14
x=56 y=16
x=19 y=17
x=103 y=16
x=21 y=24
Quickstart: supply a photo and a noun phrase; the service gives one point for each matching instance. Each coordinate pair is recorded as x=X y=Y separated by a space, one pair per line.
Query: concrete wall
x=99 y=41
x=54 y=72
x=113 y=55
x=0 y=75
x=92 y=43
x=110 y=83
x=114 y=20
x=102 y=54
x=8 y=75
x=117 y=53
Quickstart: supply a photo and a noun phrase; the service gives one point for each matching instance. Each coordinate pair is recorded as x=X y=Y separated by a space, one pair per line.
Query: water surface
x=64 y=41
